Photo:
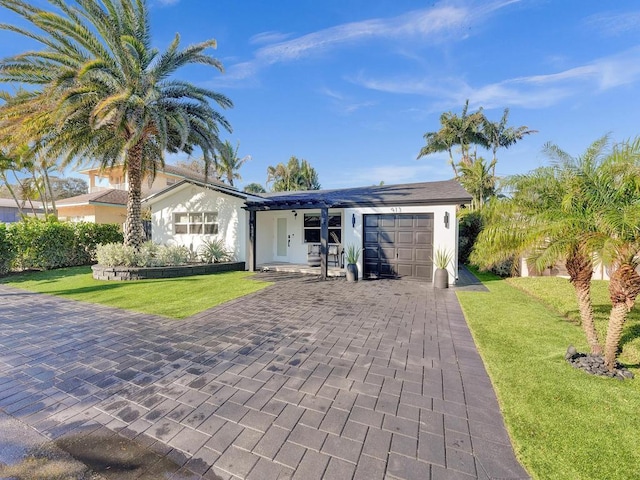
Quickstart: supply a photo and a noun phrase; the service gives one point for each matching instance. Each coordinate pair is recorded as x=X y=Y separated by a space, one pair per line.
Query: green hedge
x=47 y=244
x=7 y=250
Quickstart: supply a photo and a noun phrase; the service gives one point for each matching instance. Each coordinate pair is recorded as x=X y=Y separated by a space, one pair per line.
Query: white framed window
x=312 y=228
x=195 y=223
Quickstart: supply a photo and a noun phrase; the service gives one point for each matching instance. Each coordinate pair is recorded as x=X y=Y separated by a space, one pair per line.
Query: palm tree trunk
x=47 y=186
x=614 y=334
x=580 y=269
x=624 y=287
x=133 y=232
x=12 y=193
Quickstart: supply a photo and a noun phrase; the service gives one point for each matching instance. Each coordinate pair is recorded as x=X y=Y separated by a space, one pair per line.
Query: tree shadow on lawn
x=45 y=276
x=105 y=285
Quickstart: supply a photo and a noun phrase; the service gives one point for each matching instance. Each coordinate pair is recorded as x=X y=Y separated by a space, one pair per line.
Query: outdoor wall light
x=353 y=220
x=295 y=214
x=446 y=219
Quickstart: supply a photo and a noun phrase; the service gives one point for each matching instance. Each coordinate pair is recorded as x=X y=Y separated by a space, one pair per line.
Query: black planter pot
x=352 y=272
x=441 y=278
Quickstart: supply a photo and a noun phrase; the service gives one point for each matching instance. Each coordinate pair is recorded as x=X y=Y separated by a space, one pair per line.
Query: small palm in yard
x=547 y=222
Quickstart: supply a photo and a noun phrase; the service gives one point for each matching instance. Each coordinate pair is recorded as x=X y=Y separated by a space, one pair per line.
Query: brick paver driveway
x=306 y=379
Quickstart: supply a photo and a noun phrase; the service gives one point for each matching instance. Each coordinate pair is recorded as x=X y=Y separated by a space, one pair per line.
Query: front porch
x=300 y=268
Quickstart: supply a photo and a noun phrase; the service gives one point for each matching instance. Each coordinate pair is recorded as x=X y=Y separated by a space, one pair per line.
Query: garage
x=398 y=246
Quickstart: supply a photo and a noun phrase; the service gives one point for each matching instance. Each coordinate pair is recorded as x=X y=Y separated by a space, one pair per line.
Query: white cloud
x=535 y=91
x=268 y=37
x=435 y=24
x=614 y=24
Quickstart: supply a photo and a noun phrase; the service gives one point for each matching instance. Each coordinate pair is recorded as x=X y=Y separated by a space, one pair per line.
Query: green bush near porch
x=564 y=423
x=171 y=297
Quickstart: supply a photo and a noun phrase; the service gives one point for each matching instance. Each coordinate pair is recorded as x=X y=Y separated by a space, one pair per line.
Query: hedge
x=47 y=244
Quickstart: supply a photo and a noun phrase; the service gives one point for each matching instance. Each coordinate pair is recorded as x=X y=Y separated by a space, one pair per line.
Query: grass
x=564 y=423
x=560 y=295
x=170 y=297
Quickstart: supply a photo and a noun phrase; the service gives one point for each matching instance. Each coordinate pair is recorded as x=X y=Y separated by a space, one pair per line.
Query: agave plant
x=442 y=258
x=352 y=253
x=214 y=251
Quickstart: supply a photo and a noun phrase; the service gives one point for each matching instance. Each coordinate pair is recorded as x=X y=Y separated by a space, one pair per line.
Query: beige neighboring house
x=106 y=201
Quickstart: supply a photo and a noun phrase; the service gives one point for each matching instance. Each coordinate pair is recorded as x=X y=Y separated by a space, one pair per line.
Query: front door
x=282 y=240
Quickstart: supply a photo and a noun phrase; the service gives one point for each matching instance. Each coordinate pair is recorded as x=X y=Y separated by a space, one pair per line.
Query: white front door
x=282 y=240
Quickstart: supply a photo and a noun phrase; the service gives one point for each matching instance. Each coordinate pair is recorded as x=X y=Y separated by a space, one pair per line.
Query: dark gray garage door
x=398 y=246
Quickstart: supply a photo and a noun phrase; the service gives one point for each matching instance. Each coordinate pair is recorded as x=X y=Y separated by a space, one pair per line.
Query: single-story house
x=10 y=212
x=397 y=227
x=106 y=201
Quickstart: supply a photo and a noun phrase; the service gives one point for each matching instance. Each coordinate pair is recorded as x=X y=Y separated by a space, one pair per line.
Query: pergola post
x=324 y=242
x=252 y=240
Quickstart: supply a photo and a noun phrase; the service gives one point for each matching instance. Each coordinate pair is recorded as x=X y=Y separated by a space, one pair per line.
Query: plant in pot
x=441 y=260
x=352 y=255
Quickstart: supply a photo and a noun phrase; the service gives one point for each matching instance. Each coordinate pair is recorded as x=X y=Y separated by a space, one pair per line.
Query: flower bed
x=101 y=272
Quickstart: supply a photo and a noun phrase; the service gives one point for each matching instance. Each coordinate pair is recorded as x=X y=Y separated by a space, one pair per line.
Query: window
x=312 y=228
x=196 y=223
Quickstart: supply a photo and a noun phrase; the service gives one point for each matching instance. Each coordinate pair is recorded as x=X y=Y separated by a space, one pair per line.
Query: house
x=106 y=201
x=10 y=213
x=398 y=227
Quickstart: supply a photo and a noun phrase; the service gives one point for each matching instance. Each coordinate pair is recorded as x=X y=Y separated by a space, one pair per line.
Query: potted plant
x=352 y=254
x=441 y=260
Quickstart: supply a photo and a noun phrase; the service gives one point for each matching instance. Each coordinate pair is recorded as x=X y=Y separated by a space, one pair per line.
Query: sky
x=353 y=85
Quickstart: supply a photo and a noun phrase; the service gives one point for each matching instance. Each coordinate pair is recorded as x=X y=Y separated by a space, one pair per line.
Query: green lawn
x=564 y=423
x=171 y=297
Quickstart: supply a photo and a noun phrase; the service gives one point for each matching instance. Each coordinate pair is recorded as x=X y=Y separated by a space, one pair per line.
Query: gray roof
x=11 y=203
x=426 y=193
x=109 y=196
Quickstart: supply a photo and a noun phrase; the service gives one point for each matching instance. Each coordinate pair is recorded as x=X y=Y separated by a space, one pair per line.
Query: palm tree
x=228 y=162
x=498 y=135
x=254 y=188
x=550 y=218
x=295 y=175
x=477 y=178
x=102 y=91
x=616 y=192
x=308 y=177
x=463 y=131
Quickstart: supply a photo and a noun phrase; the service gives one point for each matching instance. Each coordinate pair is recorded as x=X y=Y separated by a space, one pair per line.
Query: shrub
x=89 y=235
x=7 y=250
x=173 y=255
x=471 y=225
x=214 y=251
x=47 y=244
x=150 y=255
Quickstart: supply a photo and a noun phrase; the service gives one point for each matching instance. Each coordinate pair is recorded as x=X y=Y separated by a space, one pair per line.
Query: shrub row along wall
x=48 y=244
x=101 y=272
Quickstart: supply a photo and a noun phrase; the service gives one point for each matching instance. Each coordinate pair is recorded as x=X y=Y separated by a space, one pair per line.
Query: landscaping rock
x=594 y=364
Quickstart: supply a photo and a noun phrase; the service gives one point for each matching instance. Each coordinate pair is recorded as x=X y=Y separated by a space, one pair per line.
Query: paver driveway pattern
x=305 y=379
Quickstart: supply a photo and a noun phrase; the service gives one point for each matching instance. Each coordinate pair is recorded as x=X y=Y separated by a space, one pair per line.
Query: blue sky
x=353 y=85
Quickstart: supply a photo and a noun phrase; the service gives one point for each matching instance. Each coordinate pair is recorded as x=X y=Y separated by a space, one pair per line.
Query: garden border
x=101 y=272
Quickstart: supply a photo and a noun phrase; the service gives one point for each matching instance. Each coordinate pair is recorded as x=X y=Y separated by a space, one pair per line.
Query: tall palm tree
x=550 y=218
x=463 y=131
x=103 y=92
x=254 y=188
x=228 y=162
x=308 y=177
x=498 y=135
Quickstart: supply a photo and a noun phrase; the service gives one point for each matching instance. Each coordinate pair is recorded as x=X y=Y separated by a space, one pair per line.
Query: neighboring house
x=398 y=227
x=600 y=272
x=10 y=213
x=106 y=201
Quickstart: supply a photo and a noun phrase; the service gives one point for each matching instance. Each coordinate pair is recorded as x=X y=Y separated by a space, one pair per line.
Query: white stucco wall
x=443 y=238
x=232 y=219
